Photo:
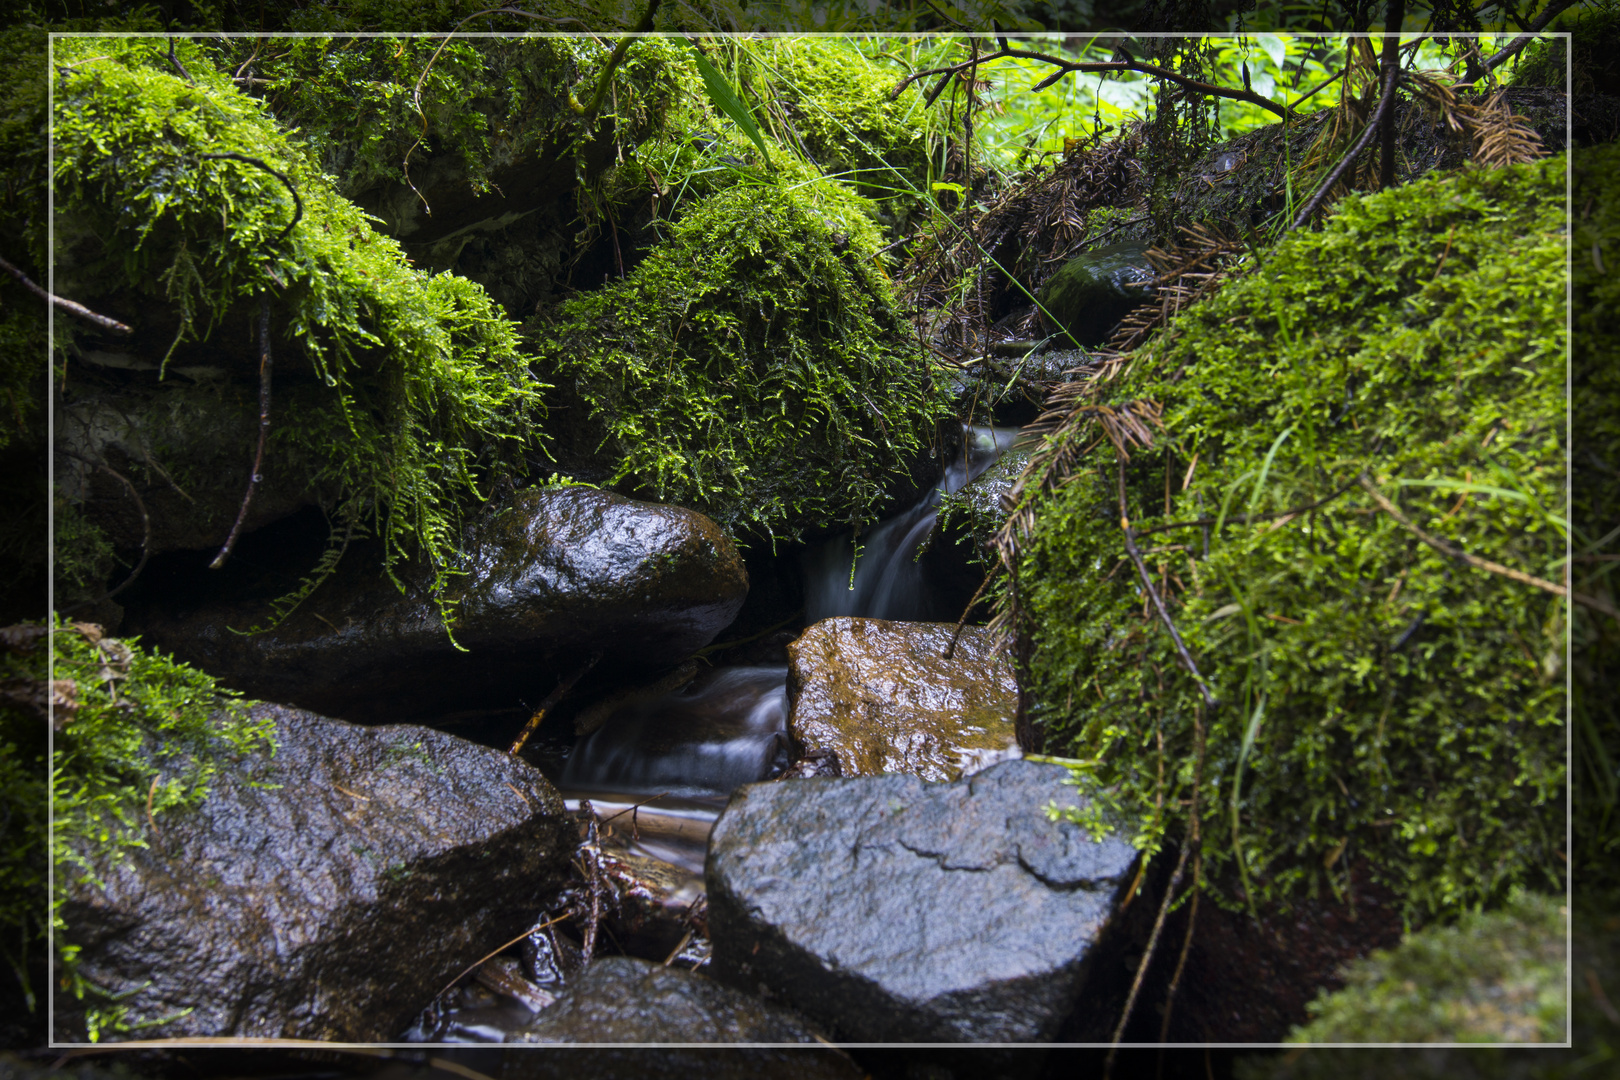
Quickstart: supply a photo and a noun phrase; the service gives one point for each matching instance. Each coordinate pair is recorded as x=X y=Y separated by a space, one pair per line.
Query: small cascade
x=888 y=582
x=725 y=728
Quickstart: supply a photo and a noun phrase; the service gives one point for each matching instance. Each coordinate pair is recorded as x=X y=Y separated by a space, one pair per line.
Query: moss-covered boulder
x=752 y=367
x=185 y=210
x=1088 y=296
x=1491 y=977
x=1373 y=399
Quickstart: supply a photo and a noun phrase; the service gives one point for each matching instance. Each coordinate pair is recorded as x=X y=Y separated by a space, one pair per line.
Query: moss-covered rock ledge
x=1398 y=375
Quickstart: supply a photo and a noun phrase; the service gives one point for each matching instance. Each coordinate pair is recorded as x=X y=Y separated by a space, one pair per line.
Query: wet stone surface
x=322 y=893
x=620 y=999
x=1094 y=290
x=879 y=697
x=891 y=910
x=552 y=576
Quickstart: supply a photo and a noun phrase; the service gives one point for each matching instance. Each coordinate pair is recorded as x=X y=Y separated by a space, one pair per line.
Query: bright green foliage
x=147 y=735
x=1377 y=698
x=752 y=366
x=828 y=96
x=1491 y=977
x=484 y=103
x=423 y=369
x=1596 y=511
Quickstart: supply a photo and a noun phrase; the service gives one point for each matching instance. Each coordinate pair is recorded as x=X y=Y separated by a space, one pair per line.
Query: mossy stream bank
x=577 y=429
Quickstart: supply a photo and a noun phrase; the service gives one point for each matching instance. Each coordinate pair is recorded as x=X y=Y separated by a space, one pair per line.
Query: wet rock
x=186 y=447
x=682 y=1063
x=1093 y=291
x=325 y=892
x=881 y=698
x=552 y=576
x=970 y=518
x=890 y=910
x=619 y=999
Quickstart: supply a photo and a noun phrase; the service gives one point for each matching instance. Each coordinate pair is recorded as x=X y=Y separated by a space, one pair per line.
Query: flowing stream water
x=728 y=726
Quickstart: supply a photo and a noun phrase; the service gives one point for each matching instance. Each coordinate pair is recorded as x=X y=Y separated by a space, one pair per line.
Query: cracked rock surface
x=888 y=909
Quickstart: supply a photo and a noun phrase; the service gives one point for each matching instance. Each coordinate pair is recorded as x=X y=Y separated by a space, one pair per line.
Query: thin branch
x=960 y=623
x=1394 y=15
x=1539 y=23
x=1147 y=957
x=646 y=24
x=563 y=686
x=1158 y=601
x=66 y=305
x=1385 y=105
x=1245 y=519
x=1593 y=602
x=1089 y=67
x=178 y=66
x=264 y=432
x=298 y=204
x=146 y=530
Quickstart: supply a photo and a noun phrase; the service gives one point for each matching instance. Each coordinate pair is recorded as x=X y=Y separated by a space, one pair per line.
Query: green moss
x=423 y=370
x=137 y=735
x=1380 y=700
x=1491 y=977
x=752 y=366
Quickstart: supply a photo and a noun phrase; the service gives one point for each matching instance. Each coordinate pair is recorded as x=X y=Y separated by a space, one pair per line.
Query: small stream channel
x=658 y=770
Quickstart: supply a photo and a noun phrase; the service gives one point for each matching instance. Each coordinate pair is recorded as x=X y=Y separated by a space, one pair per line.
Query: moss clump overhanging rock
x=1492 y=977
x=752 y=367
x=1376 y=699
x=137 y=734
x=423 y=371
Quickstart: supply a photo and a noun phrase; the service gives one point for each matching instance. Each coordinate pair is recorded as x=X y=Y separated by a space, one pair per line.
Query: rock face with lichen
x=322 y=892
x=880 y=698
x=552 y=577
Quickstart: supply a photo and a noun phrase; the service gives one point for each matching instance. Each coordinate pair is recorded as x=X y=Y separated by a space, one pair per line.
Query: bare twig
x=1513 y=48
x=563 y=686
x=492 y=953
x=1593 y=602
x=178 y=66
x=1386 y=104
x=298 y=204
x=1147 y=958
x=589 y=111
x=1242 y=519
x=956 y=634
x=1067 y=66
x=146 y=530
x=1391 y=62
x=264 y=433
x=1158 y=601
x=66 y=305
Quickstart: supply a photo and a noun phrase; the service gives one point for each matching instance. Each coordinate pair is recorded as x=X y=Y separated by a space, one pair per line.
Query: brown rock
x=881 y=698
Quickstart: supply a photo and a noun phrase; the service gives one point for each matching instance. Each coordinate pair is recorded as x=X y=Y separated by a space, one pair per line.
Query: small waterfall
x=888 y=581
x=725 y=728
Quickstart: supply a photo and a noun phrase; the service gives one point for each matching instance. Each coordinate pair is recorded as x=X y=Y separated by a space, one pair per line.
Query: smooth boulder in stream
x=880 y=697
x=552 y=576
x=325 y=892
x=891 y=910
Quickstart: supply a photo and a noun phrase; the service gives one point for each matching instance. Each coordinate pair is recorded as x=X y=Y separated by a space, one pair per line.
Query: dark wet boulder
x=1093 y=291
x=880 y=697
x=623 y=1000
x=325 y=892
x=891 y=910
x=552 y=576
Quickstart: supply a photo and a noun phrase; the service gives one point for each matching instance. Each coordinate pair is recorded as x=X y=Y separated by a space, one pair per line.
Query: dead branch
x=1386 y=105
x=146 y=530
x=66 y=305
x=264 y=432
x=1391 y=63
x=1513 y=48
x=564 y=685
x=1089 y=68
x=1153 y=592
x=1595 y=603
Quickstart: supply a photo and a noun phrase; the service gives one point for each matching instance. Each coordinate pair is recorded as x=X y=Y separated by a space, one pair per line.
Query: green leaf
x=726 y=100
